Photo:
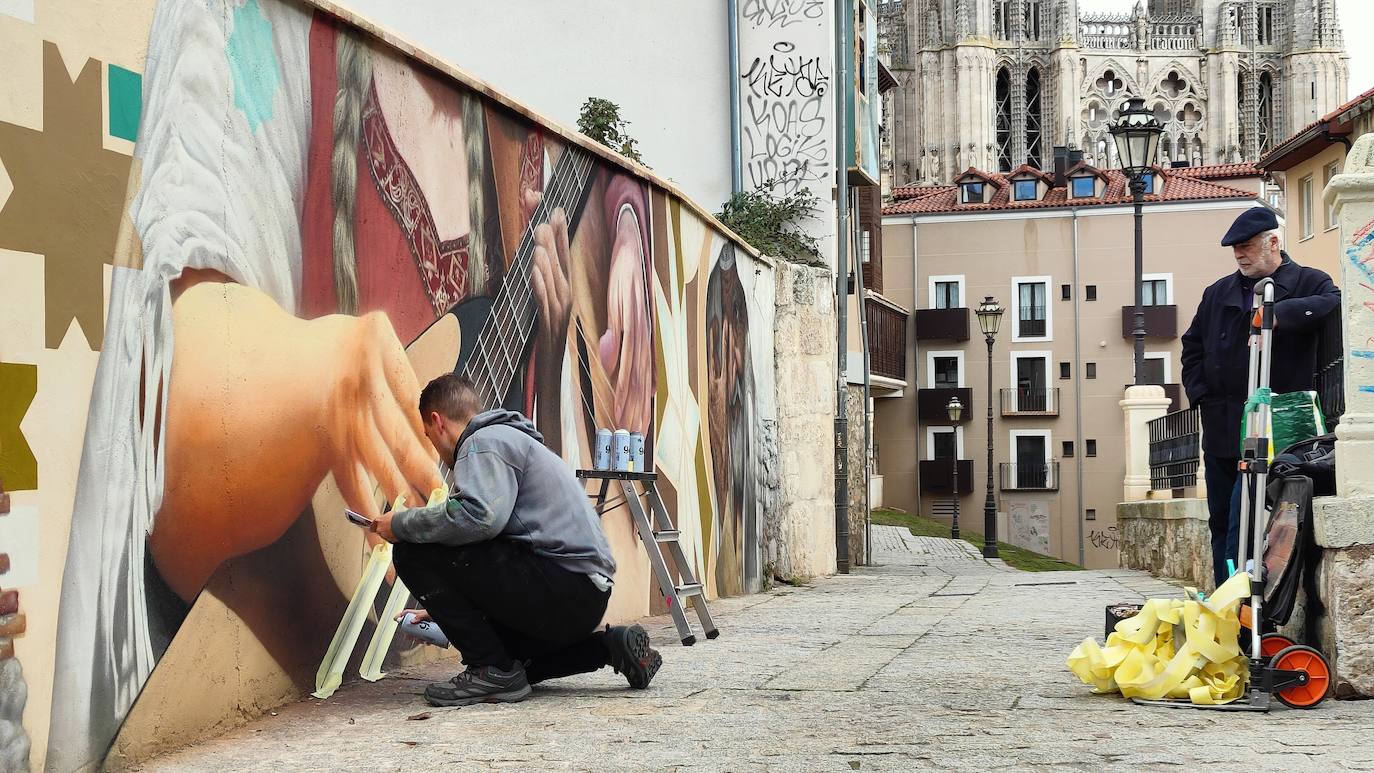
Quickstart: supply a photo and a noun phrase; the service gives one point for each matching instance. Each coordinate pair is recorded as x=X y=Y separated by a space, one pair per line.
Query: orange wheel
x=1300 y=657
x=1272 y=643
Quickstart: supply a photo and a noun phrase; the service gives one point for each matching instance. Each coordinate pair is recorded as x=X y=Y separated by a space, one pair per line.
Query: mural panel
x=314 y=226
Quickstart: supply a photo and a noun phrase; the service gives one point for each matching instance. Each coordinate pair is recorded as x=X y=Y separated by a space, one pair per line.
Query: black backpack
x=1314 y=458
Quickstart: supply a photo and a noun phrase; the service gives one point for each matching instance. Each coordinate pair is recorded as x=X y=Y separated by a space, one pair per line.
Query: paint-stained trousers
x=497 y=601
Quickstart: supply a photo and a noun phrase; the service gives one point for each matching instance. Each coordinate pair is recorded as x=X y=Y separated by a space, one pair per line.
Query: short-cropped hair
x=452 y=395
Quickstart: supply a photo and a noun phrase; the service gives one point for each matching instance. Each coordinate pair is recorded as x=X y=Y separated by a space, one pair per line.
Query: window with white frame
x=944 y=442
x=1031 y=312
x=1157 y=289
x=1030 y=373
x=947 y=292
x=1158 y=367
x=972 y=193
x=864 y=244
x=1305 y=205
x=1030 y=465
x=1332 y=169
x=945 y=369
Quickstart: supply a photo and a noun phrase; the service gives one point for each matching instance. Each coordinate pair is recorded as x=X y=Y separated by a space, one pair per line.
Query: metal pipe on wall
x=841 y=10
x=1078 y=385
x=868 y=435
x=736 y=155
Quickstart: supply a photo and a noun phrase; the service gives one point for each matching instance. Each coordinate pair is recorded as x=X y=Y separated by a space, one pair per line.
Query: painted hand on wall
x=549 y=277
x=626 y=348
x=262 y=406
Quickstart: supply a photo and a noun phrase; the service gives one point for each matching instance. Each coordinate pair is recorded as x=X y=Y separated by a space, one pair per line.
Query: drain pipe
x=1078 y=384
x=868 y=436
x=841 y=291
x=736 y=155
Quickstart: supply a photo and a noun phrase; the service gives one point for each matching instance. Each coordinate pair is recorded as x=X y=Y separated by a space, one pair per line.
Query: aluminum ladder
x=656 y=530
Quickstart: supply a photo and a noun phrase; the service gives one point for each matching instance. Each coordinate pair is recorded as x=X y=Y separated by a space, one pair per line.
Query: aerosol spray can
x=637 y=450
x=602 y=459
x=425 y=630
x=621 y=452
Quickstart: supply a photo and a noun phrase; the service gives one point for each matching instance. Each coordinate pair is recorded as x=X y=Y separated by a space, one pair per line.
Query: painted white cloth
x=220 y=164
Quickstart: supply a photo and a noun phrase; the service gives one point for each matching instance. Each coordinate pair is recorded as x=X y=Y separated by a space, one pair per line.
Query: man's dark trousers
x=1222 y=477
x=497 y=601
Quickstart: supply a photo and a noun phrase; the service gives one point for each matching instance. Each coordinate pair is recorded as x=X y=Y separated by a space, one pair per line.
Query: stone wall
x=799 y=531
x=1167 y=538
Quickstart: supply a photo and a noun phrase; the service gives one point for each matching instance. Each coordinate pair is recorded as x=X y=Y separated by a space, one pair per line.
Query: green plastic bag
x=1297 y=416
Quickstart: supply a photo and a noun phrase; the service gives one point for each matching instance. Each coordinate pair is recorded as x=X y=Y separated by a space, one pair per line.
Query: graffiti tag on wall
x=781 y=13
x=1105 y=540
x=1360 y=253
x=784 y=121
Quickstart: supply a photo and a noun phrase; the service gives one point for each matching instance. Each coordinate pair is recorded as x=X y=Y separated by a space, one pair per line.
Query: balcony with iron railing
x=1029 y=476
x=887 y=324
x=1021 y=401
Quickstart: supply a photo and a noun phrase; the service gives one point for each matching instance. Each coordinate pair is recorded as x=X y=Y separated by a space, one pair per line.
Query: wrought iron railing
x=1328 y=375
x=1175 y=449
x=1023 y=476
x=1020 y=401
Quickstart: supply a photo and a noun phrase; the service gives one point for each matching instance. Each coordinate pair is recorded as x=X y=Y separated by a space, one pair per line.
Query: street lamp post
x=989 y=318
x=1137 y=143
x=956 y=410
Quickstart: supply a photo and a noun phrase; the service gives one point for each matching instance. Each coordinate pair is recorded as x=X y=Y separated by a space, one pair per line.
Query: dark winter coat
x=1216 y=356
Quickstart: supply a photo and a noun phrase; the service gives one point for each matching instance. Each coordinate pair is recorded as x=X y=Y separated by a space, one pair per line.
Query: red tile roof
x=924 y=200
x=1305 y=134
x=1218 y=171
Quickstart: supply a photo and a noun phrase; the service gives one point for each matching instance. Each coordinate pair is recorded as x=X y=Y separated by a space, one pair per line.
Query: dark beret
x=1251 y=223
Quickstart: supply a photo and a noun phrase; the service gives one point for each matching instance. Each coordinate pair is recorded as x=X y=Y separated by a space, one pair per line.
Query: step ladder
x=655 y=530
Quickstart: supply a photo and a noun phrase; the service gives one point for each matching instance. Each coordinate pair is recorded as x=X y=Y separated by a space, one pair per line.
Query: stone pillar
x=1141 y=405
x=1352 y=194
x=1344 y=524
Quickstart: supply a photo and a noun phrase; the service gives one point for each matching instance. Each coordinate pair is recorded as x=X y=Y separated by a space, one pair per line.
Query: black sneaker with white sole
x=487 y=684
x=631 y=656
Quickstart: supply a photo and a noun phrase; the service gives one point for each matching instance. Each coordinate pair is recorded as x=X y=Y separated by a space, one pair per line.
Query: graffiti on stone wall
x=314 y=227
x=1360 y=254
x=784 y=121
x=1030 y=526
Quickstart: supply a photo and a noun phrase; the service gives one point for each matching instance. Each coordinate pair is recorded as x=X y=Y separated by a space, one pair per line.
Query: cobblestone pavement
x=932 y=660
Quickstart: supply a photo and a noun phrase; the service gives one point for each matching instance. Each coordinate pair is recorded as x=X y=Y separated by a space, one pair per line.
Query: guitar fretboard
x=505 y=336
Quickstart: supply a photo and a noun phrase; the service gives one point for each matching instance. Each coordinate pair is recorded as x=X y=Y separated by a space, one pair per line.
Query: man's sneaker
x=630 y=654
x=487 y=684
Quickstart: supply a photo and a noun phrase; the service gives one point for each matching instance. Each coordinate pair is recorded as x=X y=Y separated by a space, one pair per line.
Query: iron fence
x=1175 y=449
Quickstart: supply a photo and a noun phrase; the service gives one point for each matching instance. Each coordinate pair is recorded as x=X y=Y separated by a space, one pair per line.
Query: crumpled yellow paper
x=1144 y=657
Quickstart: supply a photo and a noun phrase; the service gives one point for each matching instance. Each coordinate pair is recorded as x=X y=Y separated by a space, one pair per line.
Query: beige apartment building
x=1303 y=165
x=1057 y=252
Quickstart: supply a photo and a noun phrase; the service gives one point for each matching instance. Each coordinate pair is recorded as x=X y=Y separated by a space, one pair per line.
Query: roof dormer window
x=1025 y=190
x=1084 y=187
x=971 y=192
x=1149 y=179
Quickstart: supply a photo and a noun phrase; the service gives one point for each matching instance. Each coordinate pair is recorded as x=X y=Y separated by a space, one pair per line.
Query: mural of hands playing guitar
x=297 y=261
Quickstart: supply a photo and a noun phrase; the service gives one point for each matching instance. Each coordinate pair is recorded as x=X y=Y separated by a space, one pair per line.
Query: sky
x=1355 y=15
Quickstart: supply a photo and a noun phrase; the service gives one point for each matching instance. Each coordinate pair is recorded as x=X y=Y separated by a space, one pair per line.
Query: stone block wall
x=799 y=530
x=1167 y=538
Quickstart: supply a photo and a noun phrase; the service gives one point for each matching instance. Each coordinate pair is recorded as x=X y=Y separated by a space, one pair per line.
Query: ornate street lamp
x=956 y=411
x=1137 y=145
x=989 y=319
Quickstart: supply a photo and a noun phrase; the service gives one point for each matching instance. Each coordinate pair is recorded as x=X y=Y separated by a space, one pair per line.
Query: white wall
x=665 y=64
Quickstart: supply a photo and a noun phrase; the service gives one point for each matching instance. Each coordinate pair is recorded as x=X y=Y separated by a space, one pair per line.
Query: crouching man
x=513 y=566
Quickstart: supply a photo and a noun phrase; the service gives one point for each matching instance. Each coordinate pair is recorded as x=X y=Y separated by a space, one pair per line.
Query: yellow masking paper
x=1173 y=648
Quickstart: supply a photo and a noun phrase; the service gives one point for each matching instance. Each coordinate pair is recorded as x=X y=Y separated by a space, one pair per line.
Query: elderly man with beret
x=1216 y=357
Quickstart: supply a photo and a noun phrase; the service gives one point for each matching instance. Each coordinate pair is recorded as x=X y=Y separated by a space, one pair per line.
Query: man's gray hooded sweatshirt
x=505 y=483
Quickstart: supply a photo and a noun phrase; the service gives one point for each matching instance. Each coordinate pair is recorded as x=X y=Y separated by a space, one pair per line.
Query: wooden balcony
x=942 y=324
x=930 y=404
x=1160 y=321
x=886 y=337
x=937 y=476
